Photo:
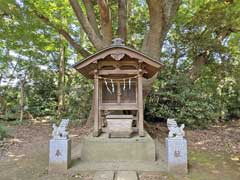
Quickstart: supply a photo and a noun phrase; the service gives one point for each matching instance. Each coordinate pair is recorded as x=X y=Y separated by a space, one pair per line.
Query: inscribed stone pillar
x=176 y=155
x=59 y=155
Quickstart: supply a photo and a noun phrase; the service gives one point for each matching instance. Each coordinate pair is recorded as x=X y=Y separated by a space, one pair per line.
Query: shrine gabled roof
x=116 y=52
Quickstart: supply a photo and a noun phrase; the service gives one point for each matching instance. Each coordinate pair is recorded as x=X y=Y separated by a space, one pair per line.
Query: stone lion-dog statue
x=175 y=131
x=61 y=131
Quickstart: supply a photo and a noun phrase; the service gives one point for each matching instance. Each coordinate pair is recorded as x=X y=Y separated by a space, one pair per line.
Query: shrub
x=175 y=96
x=3 y=131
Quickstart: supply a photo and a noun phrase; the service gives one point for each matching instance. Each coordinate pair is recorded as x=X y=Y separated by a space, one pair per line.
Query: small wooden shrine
x=118 y=73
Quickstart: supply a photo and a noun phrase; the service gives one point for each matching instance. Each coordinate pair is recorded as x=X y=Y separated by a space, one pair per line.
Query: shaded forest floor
x=214 y=154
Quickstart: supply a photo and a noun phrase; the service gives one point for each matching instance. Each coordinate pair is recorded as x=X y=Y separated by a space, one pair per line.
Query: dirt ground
x=214 y=154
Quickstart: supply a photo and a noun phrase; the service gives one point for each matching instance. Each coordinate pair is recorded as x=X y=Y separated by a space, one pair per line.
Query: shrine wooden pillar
x=140 y=103
x=96 y=104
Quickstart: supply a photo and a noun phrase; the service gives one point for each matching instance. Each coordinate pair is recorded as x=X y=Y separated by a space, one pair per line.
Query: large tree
x=204 y=35
x=97 y=19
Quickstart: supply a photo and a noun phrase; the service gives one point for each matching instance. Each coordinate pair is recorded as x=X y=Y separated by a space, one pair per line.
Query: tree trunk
x=91 y=15
x=161 y=14
x=87 y=26
x=198 y=64
x=21 y=102
x=61 y=79
x=122 y=19
x=106 y=21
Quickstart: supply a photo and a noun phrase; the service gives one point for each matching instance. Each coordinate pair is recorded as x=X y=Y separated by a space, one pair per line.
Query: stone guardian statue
x=61 y=131
x=59 y=148
x=176 y=147
x=174 y=130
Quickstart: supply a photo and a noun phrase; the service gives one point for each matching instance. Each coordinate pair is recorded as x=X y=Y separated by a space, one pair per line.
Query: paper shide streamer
x=112 y=85
x=124 y=85
x=112 y=90
x=129 y=83
x=106 y=84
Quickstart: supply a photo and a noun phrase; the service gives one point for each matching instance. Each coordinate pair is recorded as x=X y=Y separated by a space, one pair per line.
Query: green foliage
x=210 y=27
x=8 y=101
x=3 y=131
x=28 y=45
x=213 y=97
x=78 y=98
x=175 y=96
x=41 y=94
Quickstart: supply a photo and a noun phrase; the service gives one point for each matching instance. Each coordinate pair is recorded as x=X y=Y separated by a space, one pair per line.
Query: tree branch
x=161 y=13
x=91 y=16
x=65 y=34
x=93 y=37
x=170 y=10
x=203 y=58
x=106 y=21
x=197 y=65
x=151 y=44
x=122 y=19
x=76 y=46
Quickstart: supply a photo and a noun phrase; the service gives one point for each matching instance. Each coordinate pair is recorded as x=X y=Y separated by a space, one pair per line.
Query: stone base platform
x=104 y=149
x=118 y=154
x=78 y=166
x=111 y=175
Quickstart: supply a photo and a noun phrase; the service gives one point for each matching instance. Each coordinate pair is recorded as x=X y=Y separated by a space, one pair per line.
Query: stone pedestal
x=176 y=155
x=59 y=154
x=119 y=126
x=104 y=149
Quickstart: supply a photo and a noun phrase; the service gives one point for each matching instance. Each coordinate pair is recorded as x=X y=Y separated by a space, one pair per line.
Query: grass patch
x=212 y=166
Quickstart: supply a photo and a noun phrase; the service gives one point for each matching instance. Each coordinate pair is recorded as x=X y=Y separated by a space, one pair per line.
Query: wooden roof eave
x=117 y=50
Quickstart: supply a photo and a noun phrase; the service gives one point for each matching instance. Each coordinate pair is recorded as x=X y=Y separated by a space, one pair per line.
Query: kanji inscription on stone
x=177 y=153
x=58 y=153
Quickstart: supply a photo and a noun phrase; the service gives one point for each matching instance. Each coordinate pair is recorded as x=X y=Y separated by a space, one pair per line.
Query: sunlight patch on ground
x=42 y=120
x=15 y=157
x=235 y=158
x=73 y=135
x=15 y=140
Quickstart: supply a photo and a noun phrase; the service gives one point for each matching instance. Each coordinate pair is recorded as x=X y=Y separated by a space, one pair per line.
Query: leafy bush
x=78 y=98
x=8 y=101
x=175 y=96
x=41 y=95
x=3 y=131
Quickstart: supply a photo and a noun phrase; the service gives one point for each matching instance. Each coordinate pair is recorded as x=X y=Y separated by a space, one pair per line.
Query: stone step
x=104 y=175
x=126 y=175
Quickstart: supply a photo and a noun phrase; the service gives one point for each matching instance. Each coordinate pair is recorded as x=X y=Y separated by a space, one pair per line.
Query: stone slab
x=104 y=149
x=120 y=134
x=119 y=127
x=121 y=116
x=157 y=166
x=59 y=154
x=176 y=155
x=104 y=175
x=126 y=175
